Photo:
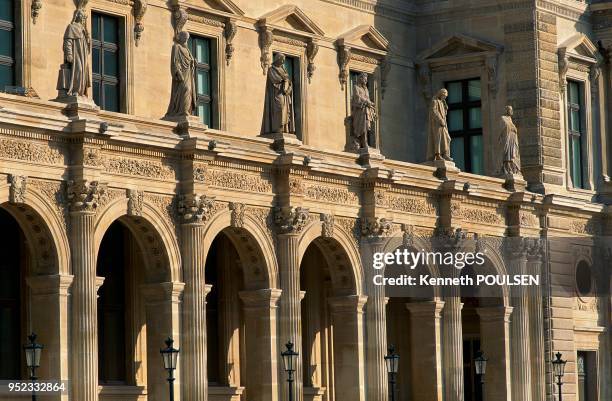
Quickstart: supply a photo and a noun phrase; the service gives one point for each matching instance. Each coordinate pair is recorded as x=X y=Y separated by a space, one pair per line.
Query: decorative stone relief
x=338 y=195
x=375 y=227
x=194 y=208
x=35 y=9
x=328 y=225
x=528 y=219
x=28 y=151
x=492 y=72
x=199 y=172
x=412 y=205
x=240 y=181
x=229 y=32
x=482 y=216
x=237 y=217
x=380 y=198
x=296 y=186
x=312 y=48
x=92 y=157
x=142 y=168
x=167 y=205
x=424 y=77
x=264 y=217
x=17 y=189
x=179 y=19
x=55 y=193
x=84 y=196
x=344 y=59
x=563 y=68
x=586 y=227
x=291 y=220
x=266 y=38
x=408 y=235
x=350 y=227
x=135 y=199
x=139 y=10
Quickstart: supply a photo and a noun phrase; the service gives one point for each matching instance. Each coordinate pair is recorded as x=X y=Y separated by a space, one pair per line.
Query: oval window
x=584 y=279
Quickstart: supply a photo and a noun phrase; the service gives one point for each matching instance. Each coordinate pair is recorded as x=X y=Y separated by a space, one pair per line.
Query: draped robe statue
x=439 y=138
x=508 y=141
x=363 y=112
x=182 y=66
x=278 y=107
x=74 y=78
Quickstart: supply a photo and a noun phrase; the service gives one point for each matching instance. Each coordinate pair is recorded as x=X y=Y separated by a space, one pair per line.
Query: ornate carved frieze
x=239 y=181
x=237 y=217
x=340 y=195
x=138 y=167
x=528 y=219
x=135 y=199
x=17 y=188
x=482 y=216
x=92 y=157
x=199 y=172
x=29 y=151
x=291 y=220
x=194 y=208
x=412 y=205
x=296 y=185
x=84 y=196
x=328 y=222
x=585 y=227
x=375 y=227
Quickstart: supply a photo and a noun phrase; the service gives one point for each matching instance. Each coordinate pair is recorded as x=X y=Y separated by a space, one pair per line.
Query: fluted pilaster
x=452 y=345
x=536 y=326
x=193 y=352
x=84 y=308
x=290 y=321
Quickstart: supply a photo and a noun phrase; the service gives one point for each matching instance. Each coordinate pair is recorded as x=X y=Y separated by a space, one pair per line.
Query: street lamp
x=289 y=359
x=392 y=362
x=33 y=351
x=559 y=370
x=480 y=364
x=170 y=357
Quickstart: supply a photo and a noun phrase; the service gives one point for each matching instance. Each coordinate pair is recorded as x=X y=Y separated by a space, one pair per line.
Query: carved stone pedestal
x=283 y=142
x=370 y=157
x=185 y=123
x=444 y=168
x=77 y=106
x=515 y=182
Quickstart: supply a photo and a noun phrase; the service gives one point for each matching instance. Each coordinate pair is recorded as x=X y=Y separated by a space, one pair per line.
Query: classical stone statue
x=183 y=92
x=74 y=78
x=439 y=138
x=363 y=112
x=508 y=141
x=278 y=108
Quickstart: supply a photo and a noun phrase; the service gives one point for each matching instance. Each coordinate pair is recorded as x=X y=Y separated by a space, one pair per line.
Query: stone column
x=536 y=323
x=426 y=350
x=452 y=343
x=495 y=343
x=376 y=324
x=49 y=316
x=83 y=199
x=521 y=337
x=347 y=320
x=163 y=309
x=260 y=310
x=290 y=313
x=193 y=352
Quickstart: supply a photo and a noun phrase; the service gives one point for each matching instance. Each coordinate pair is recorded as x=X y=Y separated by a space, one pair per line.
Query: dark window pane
x=202 y=50
x=95 y=27
x=574 y=95
x=6 y=10
x=6 y=43
x=458 y=152
x=454 y=92
x=111 y=64
x=455 y=120
x=476 y=153
x=475 y=118
x=575 y=120
x=204 y=112
x=111 y=97
x=95 y=60
x=110 y=28
x=474 y=90
x=203 y=82
x=6 y=76
x=289 y=66
x=576 y=162
x=96 y=93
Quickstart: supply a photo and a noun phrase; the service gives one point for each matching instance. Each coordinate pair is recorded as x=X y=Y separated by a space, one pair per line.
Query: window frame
x=580 y=134
x=117 y=49
x=467 y=133
x=211 y=68
x=12 y=26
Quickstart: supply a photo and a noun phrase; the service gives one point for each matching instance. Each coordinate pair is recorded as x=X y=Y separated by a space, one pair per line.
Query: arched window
x=584 y=279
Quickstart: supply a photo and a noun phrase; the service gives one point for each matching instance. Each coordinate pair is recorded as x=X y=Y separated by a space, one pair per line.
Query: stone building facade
x=120 y=229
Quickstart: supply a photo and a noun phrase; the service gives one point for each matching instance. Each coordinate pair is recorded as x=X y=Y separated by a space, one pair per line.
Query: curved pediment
x=459 y=45
x=290 y=18
x=364 y=37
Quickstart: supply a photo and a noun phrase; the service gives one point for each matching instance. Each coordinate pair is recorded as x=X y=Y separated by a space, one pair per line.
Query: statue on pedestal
x=508 y=141
x=183 y=93
x=74 y=78
x=439 y=138
x=279 y=117
x=363 y=113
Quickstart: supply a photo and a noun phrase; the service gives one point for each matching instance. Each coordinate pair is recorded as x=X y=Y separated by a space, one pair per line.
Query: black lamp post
x=170 y=357
x=33 y=351
x=480 y=364
x=289 y=359
x=392 y=362
x=559 y=370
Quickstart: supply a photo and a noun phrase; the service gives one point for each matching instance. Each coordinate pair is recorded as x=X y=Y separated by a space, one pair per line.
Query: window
x=353 y=76
x=201 y=50
x=7 y=43
x=465 y=124
x=586 y=365
x=292 y=65
x=106 y=61
x=575 y=125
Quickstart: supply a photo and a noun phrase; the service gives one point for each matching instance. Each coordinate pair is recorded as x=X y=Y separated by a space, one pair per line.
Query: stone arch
x=494 y=263
x=153 y=234
x=254 y=246
x=339 y=250
x=44 y=230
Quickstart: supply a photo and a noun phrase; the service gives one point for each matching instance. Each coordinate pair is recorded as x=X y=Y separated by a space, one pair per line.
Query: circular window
x=584 y=279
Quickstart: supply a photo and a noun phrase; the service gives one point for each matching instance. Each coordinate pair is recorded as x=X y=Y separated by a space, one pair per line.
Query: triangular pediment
x=580 y=45
x=291 y=18
x=223 y=6
x=459 y=46
x=365 y=37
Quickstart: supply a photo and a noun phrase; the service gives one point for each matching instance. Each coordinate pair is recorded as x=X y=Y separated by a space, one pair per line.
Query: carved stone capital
x=194 y=208
x=17 y=189
x=515 y=247
x=534 y=248
x=237 y=218
x=134 y=206
x=450 y=239
x=328 y=222
x=375 y=227
x=291 y=220
x=84 y=196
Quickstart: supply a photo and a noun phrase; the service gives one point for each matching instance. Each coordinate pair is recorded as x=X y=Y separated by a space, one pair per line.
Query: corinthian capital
x=194 y=208
x=375 y=227
x=291 y=220
x=84 y=196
